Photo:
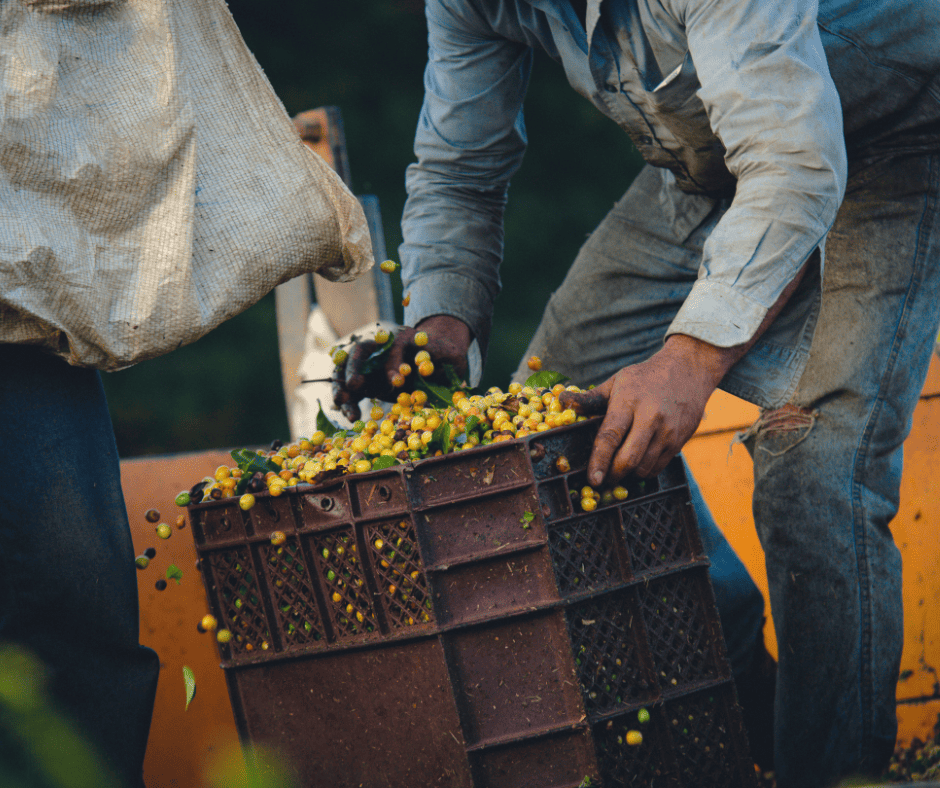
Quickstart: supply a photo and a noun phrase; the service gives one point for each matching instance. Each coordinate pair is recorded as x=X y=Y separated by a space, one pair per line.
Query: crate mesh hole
x=610 y=671
x=347 y=593
x=677 y=631
x=292 y=594
x=655 y=533
x=585 y=555
x=629 y=766
x=701 y=737
x=240 y=598
x=401 y=583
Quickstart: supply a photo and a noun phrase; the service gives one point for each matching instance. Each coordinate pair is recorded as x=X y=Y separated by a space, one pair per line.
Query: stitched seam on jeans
x=900 y=332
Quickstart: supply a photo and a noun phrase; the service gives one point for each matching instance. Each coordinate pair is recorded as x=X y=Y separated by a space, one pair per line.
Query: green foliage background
x=367 y=58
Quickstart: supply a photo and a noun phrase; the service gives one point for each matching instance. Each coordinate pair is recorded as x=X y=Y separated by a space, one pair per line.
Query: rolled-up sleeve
x=770 y=100
x=469 y=141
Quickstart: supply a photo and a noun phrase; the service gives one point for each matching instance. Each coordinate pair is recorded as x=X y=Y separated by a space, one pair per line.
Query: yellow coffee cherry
x=426 y=369
x=421 y=339
x=381 y=336
x=535 y=363
x=422 y=356
x=388 y=266
x=634 y=738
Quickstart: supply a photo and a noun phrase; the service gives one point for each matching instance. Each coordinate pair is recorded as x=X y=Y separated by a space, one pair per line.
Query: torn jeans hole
x=777 y=423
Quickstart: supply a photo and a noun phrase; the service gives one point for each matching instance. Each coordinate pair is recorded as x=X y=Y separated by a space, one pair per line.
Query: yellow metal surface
x=182 y=742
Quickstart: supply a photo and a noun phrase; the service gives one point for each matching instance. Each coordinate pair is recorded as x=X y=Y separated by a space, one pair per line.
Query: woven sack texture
x=152 y=185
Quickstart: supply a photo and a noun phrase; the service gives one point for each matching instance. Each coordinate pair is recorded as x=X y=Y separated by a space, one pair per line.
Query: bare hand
x=652 y=408
x=448 y=341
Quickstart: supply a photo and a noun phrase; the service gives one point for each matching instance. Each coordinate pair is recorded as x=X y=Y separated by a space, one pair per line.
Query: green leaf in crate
x=173 y=572
x=383 y=462
x=323 y=423
x=441 y=437
x=251 y=462
x=472 y=423
x=439 y=396
x=545 y=379
x=453 y=378
x=190 y=680
x=526 y=519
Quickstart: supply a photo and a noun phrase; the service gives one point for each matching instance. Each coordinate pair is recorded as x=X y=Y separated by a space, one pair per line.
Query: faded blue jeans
x=851 y=354
x=68 y=586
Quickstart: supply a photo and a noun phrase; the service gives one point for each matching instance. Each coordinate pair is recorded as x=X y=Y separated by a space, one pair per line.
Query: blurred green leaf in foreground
x=39 y=747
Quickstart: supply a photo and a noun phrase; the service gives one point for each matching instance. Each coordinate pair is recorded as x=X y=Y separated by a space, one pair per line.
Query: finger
x=640 y=442
x=355 y=362
x=338 y=379
x=664 y=459
x=587 y=403
x=351 y=411
x=397 y=352
x=652 y=462
x=615 y=427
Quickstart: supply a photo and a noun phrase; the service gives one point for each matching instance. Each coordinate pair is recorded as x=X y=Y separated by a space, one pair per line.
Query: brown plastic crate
x=460 y=622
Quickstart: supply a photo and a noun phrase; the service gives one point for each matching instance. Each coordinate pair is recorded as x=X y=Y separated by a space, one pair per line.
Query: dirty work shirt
x=733 y=97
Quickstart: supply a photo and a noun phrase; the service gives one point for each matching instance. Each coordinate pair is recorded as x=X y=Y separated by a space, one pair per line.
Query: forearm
x=710 y=362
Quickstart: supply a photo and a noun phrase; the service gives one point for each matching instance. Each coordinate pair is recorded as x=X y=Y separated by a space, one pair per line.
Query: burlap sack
x=152 y=185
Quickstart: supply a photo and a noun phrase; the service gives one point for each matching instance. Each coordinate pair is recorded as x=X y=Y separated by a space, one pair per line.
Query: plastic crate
x=460 y=622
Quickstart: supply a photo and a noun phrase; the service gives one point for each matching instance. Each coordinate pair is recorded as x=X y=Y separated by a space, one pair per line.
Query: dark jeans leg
x=68 y=586
x=827 y=481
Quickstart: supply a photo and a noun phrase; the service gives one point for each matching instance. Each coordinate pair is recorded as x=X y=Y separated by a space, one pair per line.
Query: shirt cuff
x=718 y=314
x=454 y=295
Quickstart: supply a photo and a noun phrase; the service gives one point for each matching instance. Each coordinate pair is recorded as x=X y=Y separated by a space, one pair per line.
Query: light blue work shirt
x=733 y=97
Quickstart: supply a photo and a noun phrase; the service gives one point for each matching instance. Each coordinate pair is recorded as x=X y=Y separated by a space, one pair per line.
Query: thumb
x=588 y=403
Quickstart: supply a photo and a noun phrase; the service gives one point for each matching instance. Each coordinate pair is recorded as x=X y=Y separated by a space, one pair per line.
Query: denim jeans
x=850 y=352
x=68 y=586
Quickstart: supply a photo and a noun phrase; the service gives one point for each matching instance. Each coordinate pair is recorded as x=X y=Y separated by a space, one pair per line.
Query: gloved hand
x=359 y=377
